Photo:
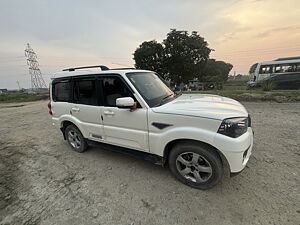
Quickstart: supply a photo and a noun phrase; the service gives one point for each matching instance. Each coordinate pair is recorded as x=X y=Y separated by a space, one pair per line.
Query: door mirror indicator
x=125 y=102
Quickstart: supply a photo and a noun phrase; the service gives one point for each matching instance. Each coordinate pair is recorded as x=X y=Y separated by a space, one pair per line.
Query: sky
x=95 y=32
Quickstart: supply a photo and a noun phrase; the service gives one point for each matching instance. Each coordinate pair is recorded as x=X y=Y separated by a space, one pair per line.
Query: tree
x=149 y=56
x=181 y=57
x=185 y=55
x=216 y=71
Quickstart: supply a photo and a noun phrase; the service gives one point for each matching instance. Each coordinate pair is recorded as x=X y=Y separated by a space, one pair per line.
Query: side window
x=262 y=70
x=294 y=67
x=265 y=69
x=277 y=69
x=113 y=88
x=286 y=68
x=61 y=91
x=85 y=92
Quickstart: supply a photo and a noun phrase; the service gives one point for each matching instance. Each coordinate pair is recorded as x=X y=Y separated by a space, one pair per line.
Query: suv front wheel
x=196 y=165
x=75 y=139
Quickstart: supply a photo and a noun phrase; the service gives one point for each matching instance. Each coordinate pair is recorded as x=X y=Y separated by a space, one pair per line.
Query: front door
x=123 y=127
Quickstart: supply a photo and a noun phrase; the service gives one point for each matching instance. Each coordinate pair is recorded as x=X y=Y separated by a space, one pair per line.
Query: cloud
x=72 y=32
x=275 y=31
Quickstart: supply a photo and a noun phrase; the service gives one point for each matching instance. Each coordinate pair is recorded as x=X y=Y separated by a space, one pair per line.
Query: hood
x=202 y=105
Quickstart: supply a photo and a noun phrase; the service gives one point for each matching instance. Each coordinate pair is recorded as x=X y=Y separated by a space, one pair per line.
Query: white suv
x=134 y=112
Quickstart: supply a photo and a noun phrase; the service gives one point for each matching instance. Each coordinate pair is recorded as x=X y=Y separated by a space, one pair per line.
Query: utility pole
x=37 y=81
x=18 y=85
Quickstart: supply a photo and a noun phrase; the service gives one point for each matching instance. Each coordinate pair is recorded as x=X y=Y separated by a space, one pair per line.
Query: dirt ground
x=42 y=181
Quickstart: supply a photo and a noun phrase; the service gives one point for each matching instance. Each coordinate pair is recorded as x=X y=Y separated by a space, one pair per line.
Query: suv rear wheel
x=75 y=139
x=196 y=165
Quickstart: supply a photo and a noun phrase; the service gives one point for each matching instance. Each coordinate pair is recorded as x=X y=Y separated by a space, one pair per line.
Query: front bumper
x=237 y=151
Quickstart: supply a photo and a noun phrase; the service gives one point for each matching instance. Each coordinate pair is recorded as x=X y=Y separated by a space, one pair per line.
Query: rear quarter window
x=61 y=91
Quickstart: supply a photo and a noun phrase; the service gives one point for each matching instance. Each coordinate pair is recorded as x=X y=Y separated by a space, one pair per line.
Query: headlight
x=234 y=127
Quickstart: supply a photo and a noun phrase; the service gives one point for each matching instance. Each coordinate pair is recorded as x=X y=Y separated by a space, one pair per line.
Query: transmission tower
x=37 y=80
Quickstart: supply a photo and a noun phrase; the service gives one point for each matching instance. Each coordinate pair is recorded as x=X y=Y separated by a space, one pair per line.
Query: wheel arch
x=64 y=124
x=171 y=144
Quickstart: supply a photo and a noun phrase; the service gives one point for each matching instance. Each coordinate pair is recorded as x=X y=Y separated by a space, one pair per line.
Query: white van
x=133 y=111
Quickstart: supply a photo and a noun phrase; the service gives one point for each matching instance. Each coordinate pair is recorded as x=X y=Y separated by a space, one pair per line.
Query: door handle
x=109 y=113
x=75 y=109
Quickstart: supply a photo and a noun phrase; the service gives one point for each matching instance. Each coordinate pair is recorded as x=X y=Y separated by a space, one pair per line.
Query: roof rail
x=86 y=67
x=128 y=68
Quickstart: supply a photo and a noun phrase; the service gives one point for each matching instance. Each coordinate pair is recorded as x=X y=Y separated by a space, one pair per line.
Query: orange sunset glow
x=241 y=32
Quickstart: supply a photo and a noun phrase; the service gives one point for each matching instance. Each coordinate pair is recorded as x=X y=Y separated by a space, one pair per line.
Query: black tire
x=77 y=142
x=209 y=165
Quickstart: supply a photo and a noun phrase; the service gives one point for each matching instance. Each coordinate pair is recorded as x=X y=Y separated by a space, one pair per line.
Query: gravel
x=43 y=182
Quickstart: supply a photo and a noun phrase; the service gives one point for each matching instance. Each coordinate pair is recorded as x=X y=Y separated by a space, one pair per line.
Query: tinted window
x=265 y=69
x=113 y=88
x=280 y=68
x=287 y=68
x=277 y=69
x=61 y=91
x=85 y=92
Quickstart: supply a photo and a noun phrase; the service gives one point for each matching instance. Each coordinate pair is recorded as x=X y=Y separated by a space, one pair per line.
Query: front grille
x=249 y=121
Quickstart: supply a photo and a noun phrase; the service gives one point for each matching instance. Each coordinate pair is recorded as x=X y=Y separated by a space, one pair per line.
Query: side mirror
x=125 y=102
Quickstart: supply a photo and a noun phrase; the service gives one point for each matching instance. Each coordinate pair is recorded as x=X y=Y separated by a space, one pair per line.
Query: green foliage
x=268 y=85
x=179 y=58
x=185 y=55
x=216 y=71
x=22 y=97
x=149 y=56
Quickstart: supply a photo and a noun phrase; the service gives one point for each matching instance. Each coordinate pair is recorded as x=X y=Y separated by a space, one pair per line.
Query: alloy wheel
x=194 y=167
x=74 y=139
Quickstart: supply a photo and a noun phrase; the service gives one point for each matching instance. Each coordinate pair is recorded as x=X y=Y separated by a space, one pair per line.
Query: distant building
x=3 y=90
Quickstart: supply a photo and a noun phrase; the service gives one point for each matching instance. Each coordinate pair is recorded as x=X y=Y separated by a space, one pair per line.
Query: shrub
x=268 y=85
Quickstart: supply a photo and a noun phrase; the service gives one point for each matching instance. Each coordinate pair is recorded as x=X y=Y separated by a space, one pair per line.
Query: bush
x=268 y=85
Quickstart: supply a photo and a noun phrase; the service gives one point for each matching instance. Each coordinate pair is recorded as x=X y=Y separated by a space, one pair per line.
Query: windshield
x=253 y=67
x=151 y=87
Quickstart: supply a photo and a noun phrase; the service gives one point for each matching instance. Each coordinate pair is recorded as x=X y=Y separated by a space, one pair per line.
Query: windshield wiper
x=167 y=97
x=164 y=98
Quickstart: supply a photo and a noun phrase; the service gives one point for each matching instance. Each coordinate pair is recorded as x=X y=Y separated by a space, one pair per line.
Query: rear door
x=86 y=107
x=123 y=127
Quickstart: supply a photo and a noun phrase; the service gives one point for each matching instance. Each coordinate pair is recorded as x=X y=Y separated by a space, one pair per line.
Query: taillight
x=49 y=107
x=49 y=104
